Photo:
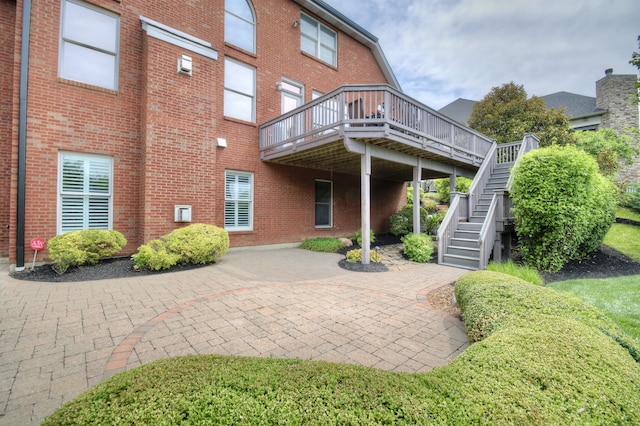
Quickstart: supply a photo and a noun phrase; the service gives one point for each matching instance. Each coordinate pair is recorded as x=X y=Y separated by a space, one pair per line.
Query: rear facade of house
x=278 y=120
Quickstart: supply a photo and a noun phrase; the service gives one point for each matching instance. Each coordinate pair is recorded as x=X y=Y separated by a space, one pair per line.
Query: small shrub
x=355 y=256
x=430 y=205
x=433 y=223
x=443 y=188
x=527 y=273
x=322 y=244
x=402 y=221
x=418 y=247
x=84 y=247
x=155 y=256
x=196 y=244
x=199 y=243
x=372 y=237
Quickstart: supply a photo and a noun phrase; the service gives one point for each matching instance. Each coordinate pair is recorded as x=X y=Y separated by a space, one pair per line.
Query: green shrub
x=430 y=205
x=84 y=247
x=491 y=301
x=433 y=223
x=322 y=244
x=155 y=256
x=418 y=247
x=355 y=256
x=443 y=187
x=401 y=223
x=197 y=244
x=562 y=206
x=509 y=267
x=372 y=237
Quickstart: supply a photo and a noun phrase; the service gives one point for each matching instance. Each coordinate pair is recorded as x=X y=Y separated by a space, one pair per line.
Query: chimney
x=608 y=72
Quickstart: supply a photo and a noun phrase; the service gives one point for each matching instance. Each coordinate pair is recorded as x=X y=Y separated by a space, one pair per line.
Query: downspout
x=22 y=133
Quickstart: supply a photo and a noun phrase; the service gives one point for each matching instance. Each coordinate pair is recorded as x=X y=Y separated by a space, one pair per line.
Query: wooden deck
x=331 y=133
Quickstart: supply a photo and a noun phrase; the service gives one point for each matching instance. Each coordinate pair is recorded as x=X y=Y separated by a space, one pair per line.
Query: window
x=85 y=192
x=318 y=40
x=239 y=25
x=323 y=203
x=238 y=201
x=89 y=45
x=239 y=90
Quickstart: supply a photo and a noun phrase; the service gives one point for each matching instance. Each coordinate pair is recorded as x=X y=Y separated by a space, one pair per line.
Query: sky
x=442 y=50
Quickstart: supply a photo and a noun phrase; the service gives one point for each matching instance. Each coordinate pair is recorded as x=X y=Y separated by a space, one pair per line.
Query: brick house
x=265 y=117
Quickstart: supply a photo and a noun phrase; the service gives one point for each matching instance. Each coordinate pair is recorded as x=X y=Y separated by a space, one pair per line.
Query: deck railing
x=363 y=109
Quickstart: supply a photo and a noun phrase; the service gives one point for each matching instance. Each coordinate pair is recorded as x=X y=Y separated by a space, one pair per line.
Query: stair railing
x=448 y=227
x=487 y=237
x=482 y=177
x=529 y=143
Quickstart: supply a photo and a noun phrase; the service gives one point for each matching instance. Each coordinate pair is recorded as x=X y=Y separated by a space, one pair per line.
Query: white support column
x=365 y=203
x=417 y=177
x=452 y=182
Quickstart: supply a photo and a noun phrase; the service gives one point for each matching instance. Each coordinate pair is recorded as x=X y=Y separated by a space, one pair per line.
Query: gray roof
x=459 y=110
x=574 y=105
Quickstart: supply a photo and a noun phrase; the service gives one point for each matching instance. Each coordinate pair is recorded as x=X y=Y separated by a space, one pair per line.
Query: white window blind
x=238 y=204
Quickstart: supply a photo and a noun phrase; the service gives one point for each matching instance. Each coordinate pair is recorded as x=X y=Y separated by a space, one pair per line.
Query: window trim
x=253 y=25
x=320 y=26
x=85 y=157
x=63 y=41
x=253 y=95
x=235 y=228
x=330 y=224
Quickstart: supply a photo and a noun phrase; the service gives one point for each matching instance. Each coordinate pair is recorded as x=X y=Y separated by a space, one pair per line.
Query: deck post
x=417 y=177
x=452 y=181
x=365 y=203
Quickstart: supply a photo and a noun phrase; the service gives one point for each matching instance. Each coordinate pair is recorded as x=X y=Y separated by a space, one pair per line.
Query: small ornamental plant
x=85 y=247
x=355 y=256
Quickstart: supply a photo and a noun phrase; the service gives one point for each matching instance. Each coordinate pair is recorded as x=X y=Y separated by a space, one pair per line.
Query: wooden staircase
x=464 y=249
x=472 y=228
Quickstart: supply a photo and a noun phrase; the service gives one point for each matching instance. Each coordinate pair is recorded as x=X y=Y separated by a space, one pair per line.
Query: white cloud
x=441 y=50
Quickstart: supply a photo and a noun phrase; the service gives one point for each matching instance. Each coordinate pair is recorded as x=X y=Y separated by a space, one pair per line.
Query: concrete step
x=461 y=261
x=465 y=242
x=478 y=218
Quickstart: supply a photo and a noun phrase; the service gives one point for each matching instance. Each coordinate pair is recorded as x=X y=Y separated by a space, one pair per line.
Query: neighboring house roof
x=575 y=106
x=332 y=16
x=459 y=110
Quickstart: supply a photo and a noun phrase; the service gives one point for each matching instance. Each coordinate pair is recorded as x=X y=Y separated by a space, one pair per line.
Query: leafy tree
x=506 y=114
x=609 y=148
x=635 y=61
x=563 y=207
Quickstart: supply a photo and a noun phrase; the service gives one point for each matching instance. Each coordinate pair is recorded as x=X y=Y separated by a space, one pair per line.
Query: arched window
x=240 y=24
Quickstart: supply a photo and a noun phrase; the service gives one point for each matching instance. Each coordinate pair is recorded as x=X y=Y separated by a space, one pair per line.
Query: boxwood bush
x=86 y=247
x=562 y=206
x=198 y=243
x=418 y=247
x=531 y=365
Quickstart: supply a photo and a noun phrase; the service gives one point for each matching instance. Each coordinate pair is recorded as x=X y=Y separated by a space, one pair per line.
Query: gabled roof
x=575 y=106
x=459 y=110
x=349 y=27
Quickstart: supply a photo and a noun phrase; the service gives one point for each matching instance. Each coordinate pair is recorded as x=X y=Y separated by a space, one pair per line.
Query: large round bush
x=563 y=207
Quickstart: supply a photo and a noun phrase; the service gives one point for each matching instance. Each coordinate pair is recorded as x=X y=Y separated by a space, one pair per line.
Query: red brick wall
x=7 y=38
x=160 y=127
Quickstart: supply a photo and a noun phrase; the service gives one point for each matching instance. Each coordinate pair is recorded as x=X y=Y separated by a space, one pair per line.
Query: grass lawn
x=617 y=297
x=624 y=213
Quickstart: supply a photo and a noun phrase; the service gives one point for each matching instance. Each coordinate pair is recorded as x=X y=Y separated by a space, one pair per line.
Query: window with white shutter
x=238 y=201
x=85 y=185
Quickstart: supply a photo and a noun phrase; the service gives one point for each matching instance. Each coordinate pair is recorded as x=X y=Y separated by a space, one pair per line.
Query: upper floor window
x=318 y=40
x=89 y=44
x=239 y=90
x=85 y=185
x=240 y=25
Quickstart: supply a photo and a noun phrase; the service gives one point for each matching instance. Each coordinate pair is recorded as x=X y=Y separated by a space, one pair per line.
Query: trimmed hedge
x=531 y=365
x=197 y=244
x=86 y=247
